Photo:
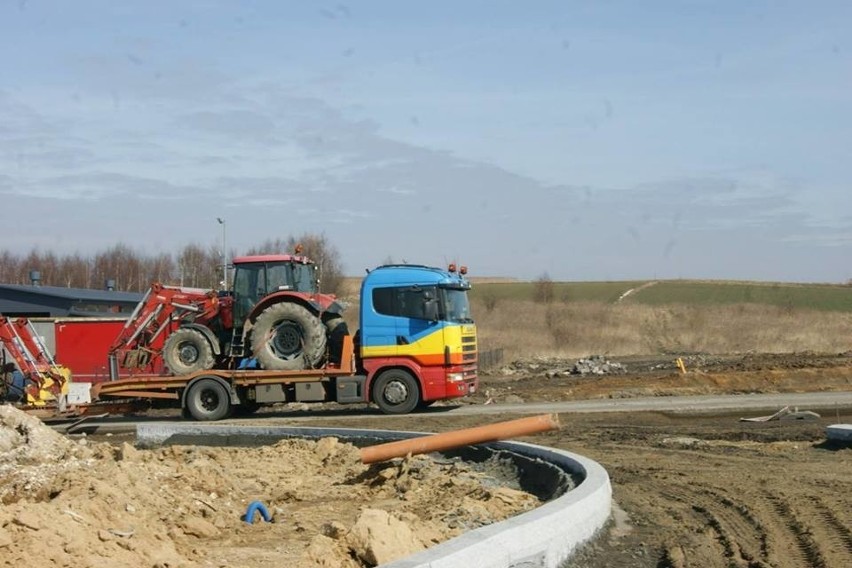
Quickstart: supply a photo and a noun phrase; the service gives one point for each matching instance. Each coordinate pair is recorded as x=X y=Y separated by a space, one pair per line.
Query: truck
x=274 y=338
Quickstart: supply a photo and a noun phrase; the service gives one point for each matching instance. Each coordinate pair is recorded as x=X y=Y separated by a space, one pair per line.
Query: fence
x=490 y=358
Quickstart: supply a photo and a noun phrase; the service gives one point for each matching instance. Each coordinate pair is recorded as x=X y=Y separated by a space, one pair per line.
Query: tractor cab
x=256 y=277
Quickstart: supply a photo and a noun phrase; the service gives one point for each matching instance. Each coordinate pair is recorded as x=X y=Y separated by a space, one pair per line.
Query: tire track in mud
x=838 y=533
x=737 y=529
x=753 y=527
x=742 y=526
x=807 y=549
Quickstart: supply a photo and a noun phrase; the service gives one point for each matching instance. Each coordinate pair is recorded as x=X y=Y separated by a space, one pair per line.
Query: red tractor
x=275 y=318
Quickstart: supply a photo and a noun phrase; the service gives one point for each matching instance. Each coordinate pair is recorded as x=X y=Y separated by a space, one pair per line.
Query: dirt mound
x=78 y=504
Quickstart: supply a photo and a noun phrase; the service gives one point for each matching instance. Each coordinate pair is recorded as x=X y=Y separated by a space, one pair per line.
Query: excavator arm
x=44 y=380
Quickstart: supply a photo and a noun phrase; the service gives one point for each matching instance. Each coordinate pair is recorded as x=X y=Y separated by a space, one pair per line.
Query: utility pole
x=224 y=253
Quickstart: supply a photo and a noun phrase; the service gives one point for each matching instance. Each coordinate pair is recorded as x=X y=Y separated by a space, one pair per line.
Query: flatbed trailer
x=212 y=394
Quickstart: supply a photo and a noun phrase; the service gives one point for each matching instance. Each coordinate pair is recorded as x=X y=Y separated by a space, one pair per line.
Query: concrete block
x=839 y=432
x=79 y=393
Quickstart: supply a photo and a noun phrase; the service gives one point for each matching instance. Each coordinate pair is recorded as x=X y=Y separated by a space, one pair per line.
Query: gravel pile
x=598 y=365
x=552 y=367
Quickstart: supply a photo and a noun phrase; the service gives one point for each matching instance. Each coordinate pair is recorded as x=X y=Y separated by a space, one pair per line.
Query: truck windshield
x=455 y=305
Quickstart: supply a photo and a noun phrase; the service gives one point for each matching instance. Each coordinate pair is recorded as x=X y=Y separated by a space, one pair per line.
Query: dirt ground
x=76 y=503
x=696 y=490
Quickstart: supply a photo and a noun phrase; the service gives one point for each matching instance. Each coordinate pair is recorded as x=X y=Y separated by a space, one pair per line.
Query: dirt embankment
x=554 y=379
x=73 y=503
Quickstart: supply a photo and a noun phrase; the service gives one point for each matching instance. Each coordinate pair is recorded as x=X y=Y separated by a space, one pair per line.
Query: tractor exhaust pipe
x=113 y=367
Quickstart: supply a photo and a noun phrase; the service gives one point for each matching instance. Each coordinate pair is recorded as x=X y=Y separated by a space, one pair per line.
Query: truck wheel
x=207 y=399
x=286 y=336
x=187 y=351
x=396 y=392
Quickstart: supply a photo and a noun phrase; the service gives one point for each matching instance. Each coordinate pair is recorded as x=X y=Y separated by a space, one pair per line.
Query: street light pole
x=224 y=253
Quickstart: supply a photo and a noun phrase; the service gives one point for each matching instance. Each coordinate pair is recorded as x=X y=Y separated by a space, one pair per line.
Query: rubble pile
x=552 y=367
x=598 y=365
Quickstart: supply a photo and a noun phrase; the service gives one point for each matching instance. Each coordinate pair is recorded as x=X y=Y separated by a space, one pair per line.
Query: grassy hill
x=828 y=297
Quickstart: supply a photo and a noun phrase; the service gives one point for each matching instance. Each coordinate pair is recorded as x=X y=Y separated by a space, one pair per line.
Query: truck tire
x=208 y=399
x=187 y=351
x=286 y=336
x=396 y=392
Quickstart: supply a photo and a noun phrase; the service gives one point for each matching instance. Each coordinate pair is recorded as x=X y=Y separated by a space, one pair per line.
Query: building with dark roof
x=52 y=301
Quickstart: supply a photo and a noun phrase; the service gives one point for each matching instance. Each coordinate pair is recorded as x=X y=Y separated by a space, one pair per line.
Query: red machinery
x=160 y=313
x=44 y=379
x=275 y=315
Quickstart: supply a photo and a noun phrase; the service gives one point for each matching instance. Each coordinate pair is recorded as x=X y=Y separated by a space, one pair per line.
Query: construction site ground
x=692 y=489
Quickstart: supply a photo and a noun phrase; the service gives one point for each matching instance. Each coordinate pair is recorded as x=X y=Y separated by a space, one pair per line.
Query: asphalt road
x=690 y=404
x=749 y=405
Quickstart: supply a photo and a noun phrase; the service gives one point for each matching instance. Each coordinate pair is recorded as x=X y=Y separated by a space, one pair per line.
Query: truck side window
x=383 y=301
x=402 y=301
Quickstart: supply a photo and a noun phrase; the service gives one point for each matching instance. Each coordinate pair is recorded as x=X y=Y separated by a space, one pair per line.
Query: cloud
x=96 y=186
x=231 y=124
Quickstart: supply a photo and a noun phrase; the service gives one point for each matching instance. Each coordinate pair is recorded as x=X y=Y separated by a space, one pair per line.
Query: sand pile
x=70 y=503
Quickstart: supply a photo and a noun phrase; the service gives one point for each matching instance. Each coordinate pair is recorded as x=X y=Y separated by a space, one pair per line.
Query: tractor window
x=248 y=280
x=304 y=276
x=278 y=278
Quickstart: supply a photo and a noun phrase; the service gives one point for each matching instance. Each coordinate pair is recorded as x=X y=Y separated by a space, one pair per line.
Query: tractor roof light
x=452 y=267
x=298 y=249
x=463 y=270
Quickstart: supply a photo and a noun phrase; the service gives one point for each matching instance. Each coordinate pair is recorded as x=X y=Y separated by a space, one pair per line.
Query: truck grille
x=468 y=348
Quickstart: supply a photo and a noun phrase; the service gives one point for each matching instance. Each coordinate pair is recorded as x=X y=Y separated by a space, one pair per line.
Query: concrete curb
x=544 y=537
x=839 y=432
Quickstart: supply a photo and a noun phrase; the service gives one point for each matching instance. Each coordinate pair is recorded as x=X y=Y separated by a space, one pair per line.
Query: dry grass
x=574 y=329
x=524 y=328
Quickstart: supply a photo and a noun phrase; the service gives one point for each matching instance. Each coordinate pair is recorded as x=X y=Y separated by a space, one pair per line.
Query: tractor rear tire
x=288 y=337
x=336 y=329
x=187 y=351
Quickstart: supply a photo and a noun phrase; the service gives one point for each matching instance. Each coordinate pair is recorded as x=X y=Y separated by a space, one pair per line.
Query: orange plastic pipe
x=458 y=438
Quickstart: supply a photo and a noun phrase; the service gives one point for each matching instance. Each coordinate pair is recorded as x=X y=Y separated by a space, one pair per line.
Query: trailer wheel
x=396 y=392
x=187 y=351
x=207 y=399
x=287 y=336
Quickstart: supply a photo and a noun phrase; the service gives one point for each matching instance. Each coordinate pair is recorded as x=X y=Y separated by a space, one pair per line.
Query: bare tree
x=543 y=289
x=197 y=267
x=320 y=250
x=194 y=265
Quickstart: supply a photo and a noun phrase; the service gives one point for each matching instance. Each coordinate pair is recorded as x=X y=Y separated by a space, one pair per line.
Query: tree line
x=129 y=270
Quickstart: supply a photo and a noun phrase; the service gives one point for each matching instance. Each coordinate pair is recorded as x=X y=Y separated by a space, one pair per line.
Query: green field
x=826 y=297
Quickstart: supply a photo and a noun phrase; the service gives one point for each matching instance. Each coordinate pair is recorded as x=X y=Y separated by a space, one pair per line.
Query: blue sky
x=595 y=140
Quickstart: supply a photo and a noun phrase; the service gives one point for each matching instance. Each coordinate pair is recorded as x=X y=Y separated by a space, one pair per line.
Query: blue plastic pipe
x=257 y=507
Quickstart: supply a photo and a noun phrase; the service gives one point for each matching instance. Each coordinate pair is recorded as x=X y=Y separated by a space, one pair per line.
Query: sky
x=608 y=140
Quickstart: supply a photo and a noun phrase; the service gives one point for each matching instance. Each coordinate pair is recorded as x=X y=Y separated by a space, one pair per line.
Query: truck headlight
x=455 y=377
